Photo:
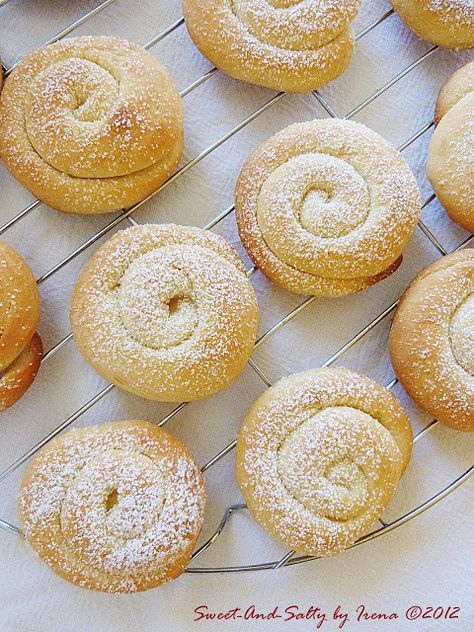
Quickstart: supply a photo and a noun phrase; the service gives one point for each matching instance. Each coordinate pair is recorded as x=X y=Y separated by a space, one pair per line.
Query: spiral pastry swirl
x=450 y=164
x=432 y=340
x=165 y=312
x=447 y=23
x=116 y=507
x=289 y=45
x=20 y=346
x=326 y=207
x=90 y=124
x=319 y=456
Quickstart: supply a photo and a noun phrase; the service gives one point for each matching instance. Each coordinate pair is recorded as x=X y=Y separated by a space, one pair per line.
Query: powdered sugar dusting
x=87 y=120
x=432 y=340
x=294 y=45
x=319 y=457
x=325 y=206
x=444 y=22
x=294 y=24
x=115 y=507
x=453 y=12
x=166 y=311
x=462 y=334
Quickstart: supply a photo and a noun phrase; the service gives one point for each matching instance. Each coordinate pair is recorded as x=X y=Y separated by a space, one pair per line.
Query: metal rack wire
x=127 y=214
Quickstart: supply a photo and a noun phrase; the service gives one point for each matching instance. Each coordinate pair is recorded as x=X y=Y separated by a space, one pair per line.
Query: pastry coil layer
x=450 y=164
x=432 y=340
x=20 y=346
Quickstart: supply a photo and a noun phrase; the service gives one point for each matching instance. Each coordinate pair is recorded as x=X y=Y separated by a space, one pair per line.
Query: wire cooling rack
x=127 y=215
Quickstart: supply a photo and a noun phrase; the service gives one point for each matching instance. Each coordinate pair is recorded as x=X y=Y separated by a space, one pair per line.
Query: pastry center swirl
x=310 y=201
x=116 y=498
x=325 y=462
x=157 y=300
x=462 y=334
x=295 y=24
x=68 y=105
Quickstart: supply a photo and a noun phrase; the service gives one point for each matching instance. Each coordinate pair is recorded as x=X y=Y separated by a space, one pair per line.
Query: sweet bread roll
x=450 y=165
x=432 y=340
x=20 y=346
x=447 y=23
x=116 y=507
x=289 y=45
x=326 y=207
x=319 y=456
x=90 y=124
x=165 y=312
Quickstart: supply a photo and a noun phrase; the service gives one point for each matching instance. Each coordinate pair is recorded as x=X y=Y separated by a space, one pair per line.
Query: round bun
x=165 y=312
x=20 y=346
x=432 y=340
x=326 y=207
x=90 y=124
x=319 y=456
x=447 y=23
x=116 y=507
x=450 y=165
x=286 y=45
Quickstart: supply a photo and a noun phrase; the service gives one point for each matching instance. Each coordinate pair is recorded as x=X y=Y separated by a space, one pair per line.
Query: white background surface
x=428 y=561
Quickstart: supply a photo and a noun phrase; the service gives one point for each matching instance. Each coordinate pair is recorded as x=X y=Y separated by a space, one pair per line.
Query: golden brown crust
x=286 y=45
x=450 y=165
x=459 y=85
x=166 y=312
x=447 y=23
x=90 y=124
x=18 y=377
x=116 y=507
x=20 y=346
x=319 y=456
x=431 y=340
x=326 y=207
